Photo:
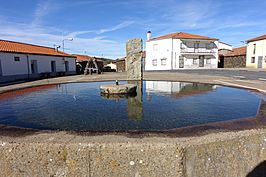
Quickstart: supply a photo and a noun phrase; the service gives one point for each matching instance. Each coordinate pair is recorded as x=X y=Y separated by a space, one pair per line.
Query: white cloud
x=101 y=31
x=43 y=8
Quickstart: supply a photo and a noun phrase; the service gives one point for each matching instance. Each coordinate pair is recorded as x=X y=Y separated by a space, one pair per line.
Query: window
x=155 y=47
x=163 y=61
x=252 y=59
x=195 y=61
x=154 y=62
x=16 y=59
x=254 y=50
x=208 y=45
x=208 y=61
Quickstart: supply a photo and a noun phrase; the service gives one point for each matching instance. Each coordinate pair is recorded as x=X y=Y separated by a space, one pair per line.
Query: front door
x=201 y=61
x=34 y=67
x=66 y=66
x=53 y=66
x=260 y=62
x=181 y=62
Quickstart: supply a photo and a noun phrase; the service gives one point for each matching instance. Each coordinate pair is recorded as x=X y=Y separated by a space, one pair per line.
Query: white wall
x=170 y=48
x=11 y=67
x=164 y=50
x=112 y=65
x=224 y=46
x=260 y=51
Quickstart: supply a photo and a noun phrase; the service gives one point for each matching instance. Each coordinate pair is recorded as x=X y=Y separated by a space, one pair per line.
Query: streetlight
x=63 y=42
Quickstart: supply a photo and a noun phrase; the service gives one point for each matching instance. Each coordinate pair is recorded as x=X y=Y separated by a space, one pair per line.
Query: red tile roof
x=237 y=51
x=182 y=35
x=18 y=47
x=85 y=57
x=257 y=38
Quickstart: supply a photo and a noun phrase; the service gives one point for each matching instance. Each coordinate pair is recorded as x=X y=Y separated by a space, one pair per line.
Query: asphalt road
x=238 y=74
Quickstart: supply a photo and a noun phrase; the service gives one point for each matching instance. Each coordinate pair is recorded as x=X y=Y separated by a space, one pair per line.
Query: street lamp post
x=63 y=42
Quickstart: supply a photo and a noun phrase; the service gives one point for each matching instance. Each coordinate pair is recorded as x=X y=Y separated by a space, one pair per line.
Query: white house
x=112 y=65
x=224 y=46
x=24 y=61
x=256 y=52
x=180 y=51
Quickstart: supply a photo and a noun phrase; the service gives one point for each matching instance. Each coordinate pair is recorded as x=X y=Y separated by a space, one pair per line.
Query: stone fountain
x=134 y=70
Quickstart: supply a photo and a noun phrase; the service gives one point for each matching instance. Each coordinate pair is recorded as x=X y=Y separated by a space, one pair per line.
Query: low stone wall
x=219 y=155
x=234 y=61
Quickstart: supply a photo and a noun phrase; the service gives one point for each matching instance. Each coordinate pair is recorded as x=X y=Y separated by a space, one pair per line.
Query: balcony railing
x=197 y=50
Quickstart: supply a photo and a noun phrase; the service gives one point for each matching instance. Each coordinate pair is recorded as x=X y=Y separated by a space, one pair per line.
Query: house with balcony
x=181 y=51
x=256 y=52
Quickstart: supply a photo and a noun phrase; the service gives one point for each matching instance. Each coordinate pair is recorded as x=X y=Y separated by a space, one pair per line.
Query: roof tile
x=17 y=47
x=182 y=35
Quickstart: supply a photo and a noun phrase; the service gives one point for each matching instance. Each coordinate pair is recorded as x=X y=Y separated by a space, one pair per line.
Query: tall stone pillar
x=134 y=49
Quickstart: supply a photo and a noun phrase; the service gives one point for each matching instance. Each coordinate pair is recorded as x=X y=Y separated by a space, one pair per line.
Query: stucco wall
x=260 y=51
x=170 y=49
x=11 y=67
x=223 y=46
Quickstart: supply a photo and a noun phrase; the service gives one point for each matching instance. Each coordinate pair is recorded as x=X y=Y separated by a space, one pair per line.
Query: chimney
x=148 y=35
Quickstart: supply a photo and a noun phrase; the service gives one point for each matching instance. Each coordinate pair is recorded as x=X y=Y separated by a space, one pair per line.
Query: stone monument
x=134 y=69
x=134 y=59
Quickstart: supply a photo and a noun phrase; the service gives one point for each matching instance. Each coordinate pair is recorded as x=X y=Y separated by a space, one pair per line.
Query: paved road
x=248 y=74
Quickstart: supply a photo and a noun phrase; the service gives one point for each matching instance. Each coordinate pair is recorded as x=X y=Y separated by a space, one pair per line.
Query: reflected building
x=177 y=89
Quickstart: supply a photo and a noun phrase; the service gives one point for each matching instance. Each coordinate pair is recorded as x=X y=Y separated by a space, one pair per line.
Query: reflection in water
x=176 y=89
x=134 y=104
x=134 y=101
x=79 y=106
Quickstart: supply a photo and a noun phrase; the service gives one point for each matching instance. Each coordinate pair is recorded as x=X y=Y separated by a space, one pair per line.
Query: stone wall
x=235 y=61
x=225 y=154
x=120 y=65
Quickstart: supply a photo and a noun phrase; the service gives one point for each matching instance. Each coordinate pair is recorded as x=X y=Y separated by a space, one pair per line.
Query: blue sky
x=101 y=27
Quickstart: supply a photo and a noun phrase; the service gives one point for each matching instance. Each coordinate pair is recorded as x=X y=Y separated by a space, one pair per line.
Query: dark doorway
x=221 y=62
x=66 y=66
x=201 y=61
x=53 y=66
x=34 y=68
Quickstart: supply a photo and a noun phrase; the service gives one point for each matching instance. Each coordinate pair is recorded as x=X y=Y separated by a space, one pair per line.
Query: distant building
x=112 y=65
x=82 y=61
x=25 y=61
x=180 y=51
x=256 y=52
x=235 y=58
x=223 y=49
